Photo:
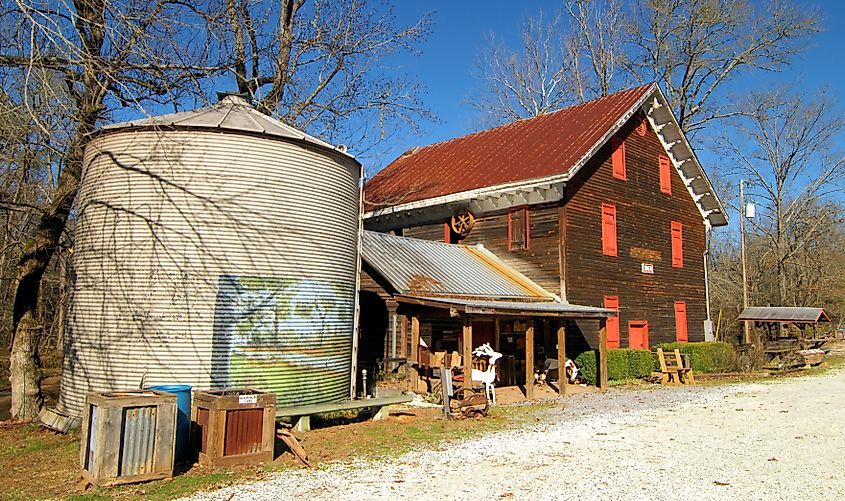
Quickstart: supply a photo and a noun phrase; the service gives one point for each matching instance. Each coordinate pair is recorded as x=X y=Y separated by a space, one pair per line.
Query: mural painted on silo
x=289 y=336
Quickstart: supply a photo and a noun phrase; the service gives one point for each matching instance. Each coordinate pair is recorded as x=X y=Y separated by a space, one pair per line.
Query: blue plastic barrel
x=183 y=416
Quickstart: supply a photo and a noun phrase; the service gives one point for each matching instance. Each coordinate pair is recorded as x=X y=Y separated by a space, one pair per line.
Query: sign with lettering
x=247 y=399
x=648 y=268
x=645 y=254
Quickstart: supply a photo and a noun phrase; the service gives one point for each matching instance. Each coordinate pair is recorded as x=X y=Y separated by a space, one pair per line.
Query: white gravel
x=774 y=440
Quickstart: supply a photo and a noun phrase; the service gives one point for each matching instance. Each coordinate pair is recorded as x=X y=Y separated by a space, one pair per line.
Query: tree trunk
x=25 y=380
x=23 y=366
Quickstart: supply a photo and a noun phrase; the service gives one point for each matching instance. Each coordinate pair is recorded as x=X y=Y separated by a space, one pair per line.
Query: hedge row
x=706 y=357
x=622 y=363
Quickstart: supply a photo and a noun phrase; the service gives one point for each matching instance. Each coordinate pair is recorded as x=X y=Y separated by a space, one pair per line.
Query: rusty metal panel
x=243 y=431
x=526 y=149
x=426 y=268
x=137 y=449
x=215 y=259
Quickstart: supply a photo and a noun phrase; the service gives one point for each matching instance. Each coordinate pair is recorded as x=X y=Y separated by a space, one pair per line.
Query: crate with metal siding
x=128 y=436
x=234 y=426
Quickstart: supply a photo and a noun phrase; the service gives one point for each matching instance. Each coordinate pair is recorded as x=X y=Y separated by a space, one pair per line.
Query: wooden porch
x=526 y=334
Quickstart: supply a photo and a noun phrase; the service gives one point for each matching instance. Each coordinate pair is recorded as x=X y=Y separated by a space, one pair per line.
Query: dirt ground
x=780 y=439
x=36 y=463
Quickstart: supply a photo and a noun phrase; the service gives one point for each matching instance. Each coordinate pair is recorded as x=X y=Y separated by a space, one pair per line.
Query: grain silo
x=215 y=248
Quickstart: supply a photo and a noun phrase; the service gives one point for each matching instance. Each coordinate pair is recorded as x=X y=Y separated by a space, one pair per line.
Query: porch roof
x=493 y=307
x=424 y=268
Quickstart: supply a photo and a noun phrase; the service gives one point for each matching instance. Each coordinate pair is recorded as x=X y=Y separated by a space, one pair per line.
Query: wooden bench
x=301 y=415
x=672 y=368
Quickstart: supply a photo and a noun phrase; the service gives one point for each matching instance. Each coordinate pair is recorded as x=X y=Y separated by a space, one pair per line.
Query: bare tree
x=314 y=63
x=786 y=145
x=524 y=82
x=320 y=64
x=596 y=41
x=694 y=47
x=572 y=58
x=88 y=58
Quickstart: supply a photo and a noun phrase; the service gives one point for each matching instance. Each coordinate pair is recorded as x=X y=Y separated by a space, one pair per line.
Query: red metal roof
x=527 y=149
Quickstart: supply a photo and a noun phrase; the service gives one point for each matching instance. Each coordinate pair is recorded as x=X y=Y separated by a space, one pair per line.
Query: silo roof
x=232 y=113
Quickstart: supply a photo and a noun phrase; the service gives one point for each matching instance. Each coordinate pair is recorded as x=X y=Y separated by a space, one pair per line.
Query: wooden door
x=638 y=334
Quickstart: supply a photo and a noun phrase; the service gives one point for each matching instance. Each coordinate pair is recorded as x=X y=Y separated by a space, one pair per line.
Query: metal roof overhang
x=778 y=314
x=505 y=308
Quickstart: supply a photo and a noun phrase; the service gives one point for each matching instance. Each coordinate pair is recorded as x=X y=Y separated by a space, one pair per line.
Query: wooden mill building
x=602 y=204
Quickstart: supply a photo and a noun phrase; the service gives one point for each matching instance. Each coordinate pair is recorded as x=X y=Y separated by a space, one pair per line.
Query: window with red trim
x=681 y=322
x=612 y=325
x=665 y=175
x=519 y=235
x=677 y=244
x=608 y=230
x=618 y=158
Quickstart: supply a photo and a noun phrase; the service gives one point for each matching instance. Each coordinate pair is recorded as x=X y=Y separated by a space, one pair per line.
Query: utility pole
x=744 y=266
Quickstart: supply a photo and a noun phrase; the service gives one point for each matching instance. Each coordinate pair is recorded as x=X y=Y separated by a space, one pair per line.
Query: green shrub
x=586 y=363
x=706 y=357
x=621 y=364
x=640 y=363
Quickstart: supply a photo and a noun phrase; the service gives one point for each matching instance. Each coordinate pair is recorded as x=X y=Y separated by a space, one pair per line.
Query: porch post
x=562 y=380
x=467 y=352
x=415 y=352
x=529 y=360
x=602 y=361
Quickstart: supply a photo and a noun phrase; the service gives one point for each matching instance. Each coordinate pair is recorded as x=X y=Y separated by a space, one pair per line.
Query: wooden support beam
x=403 y=336
x=602 y=361
x=561 y=357
x=467 y=352
x=529 y=360
x=415 y=352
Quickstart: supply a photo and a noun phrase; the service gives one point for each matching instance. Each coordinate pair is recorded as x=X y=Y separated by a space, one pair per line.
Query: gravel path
x=774 y=440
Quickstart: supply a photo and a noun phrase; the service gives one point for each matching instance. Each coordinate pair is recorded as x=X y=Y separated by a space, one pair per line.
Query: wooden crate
x=128 y=436
x=234 y=426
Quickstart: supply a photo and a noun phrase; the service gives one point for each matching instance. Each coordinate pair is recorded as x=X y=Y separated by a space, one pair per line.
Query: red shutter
x=677 y=244
x=447 y=233
x=612 y=325
x=665 y=175
x=681 y=322
x=608 y=229
x=618 y=158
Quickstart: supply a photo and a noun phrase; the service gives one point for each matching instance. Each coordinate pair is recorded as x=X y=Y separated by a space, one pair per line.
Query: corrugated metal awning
x=784 y=314
x=534 y=308
x=424 y=268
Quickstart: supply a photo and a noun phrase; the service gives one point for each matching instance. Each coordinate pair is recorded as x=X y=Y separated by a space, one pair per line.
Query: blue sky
x=460 y=30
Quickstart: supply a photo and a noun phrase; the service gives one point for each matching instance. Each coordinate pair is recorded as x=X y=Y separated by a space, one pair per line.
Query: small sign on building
x=647 y=268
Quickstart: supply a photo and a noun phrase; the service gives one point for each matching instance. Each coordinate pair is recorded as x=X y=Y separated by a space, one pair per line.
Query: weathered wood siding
x=643 y=221
x=539 y=262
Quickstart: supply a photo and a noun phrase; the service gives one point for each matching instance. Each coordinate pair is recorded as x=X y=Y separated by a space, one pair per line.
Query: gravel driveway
x=773 y=440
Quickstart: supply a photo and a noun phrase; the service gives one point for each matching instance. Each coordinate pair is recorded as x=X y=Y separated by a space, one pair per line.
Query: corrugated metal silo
x=214 y=248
